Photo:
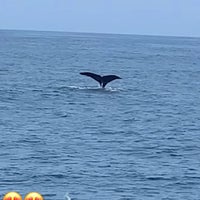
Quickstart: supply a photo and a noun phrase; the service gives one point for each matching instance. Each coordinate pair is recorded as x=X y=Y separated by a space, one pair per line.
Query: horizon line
x=108 y=33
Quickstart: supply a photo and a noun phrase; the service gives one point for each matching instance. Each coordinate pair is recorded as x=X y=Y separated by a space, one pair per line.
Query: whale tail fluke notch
x=103 y=80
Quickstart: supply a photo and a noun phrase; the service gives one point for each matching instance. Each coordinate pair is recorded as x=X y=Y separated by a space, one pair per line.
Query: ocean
x=138 y=139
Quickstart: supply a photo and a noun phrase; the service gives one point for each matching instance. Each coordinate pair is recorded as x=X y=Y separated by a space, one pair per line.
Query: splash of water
x=67 y=197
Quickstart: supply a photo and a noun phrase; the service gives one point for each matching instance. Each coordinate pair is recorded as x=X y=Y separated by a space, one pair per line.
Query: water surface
x=59 y=132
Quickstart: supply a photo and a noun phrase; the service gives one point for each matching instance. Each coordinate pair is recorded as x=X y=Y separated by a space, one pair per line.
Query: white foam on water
x=107 y=89
x=67 y=197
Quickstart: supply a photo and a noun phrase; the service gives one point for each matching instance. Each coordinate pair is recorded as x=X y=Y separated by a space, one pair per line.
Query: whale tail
x=103 y=80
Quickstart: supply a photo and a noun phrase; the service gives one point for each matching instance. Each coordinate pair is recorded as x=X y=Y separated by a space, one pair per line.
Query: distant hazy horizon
x=109 y=33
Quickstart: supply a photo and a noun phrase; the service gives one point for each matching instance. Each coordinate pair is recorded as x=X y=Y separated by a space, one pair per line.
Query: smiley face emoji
x=33 y=196
x=12 y=196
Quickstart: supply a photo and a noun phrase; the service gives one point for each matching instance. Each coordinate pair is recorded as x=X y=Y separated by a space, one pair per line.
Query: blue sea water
x=139 y=139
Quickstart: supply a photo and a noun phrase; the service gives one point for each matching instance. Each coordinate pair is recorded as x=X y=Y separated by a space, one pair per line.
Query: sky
x=143 y=17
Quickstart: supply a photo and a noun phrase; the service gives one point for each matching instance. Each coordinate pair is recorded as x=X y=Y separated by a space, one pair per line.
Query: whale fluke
x=103 y=80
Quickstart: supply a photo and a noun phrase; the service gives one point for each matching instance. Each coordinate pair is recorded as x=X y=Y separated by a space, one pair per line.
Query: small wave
x=67 y=197
x=71 y=88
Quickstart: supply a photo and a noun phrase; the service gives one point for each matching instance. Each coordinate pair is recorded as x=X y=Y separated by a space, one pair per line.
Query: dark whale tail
x=103 y=80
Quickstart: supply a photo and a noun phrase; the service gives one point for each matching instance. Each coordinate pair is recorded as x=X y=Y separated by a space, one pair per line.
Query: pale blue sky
x=146 y=17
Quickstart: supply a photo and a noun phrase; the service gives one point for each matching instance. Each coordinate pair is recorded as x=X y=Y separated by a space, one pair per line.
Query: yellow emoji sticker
x=12 y=196
x=33 y=196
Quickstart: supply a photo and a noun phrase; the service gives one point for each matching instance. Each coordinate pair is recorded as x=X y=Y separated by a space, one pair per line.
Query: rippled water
x=139 y=139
